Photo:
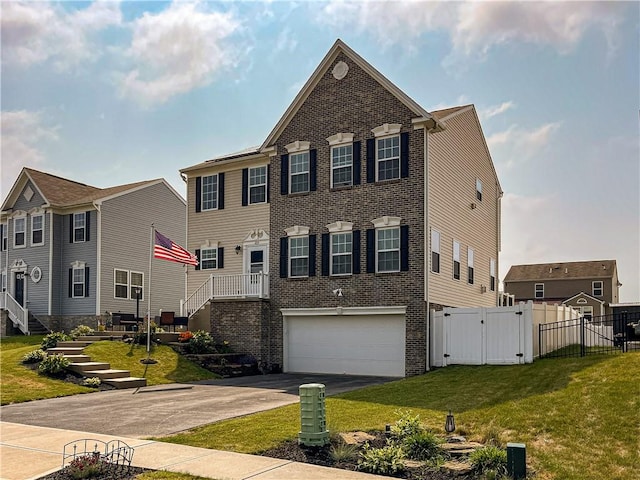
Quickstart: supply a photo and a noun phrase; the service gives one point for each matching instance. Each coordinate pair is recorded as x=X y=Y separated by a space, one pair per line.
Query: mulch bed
x=112 y=473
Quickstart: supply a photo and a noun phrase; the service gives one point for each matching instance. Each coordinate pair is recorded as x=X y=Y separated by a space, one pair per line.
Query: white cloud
x=34 y=32
x=21 y=133
x=517 y=144
x=494 y=110
x=178 y=49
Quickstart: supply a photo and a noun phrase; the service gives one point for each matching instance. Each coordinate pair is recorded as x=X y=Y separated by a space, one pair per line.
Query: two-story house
x=71 y=252
x=590 y=287
x=377 y=212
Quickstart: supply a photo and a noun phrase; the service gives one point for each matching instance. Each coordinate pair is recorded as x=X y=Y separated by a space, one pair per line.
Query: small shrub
x=34 y=356
x=52 y=339
x=86 y=466
x=406 y=425
x=53 y=365
x=343 y=452
x=223 y=347
x=184 y=337
x=489 y=459
x=81 y=331
x=93 y=382
x=201 y=342
x=384 y=461
x=421 y=446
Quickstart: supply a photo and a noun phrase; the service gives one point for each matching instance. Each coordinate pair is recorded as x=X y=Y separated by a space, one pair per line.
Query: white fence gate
x=480 y=336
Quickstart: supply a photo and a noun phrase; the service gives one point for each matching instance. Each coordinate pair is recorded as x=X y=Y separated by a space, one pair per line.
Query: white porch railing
x=17 y=314
x=246 y=285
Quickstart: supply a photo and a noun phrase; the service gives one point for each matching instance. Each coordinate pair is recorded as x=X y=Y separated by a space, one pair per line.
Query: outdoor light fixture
x=238 y=248
x=450 y=423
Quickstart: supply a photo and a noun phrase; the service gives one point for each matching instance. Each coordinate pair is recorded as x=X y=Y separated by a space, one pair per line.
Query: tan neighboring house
x=376 y=212
x=590 y=287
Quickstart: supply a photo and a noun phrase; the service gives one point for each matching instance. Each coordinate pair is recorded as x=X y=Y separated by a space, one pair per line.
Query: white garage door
x=345 y=344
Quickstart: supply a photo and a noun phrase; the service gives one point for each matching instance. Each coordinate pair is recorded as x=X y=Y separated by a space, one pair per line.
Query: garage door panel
x=371 y=345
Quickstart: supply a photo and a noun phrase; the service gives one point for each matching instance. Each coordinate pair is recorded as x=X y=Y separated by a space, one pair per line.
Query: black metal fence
x=608 y=334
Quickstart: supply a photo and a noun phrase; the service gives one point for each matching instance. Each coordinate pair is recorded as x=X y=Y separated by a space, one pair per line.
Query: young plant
x=52 y=339
x=93 y=382
x=384 y=461
x=489 y=459
x=407 y=425
x=80 y=331
x=34 y=356
x=422 y=446
x=86 y=466
x=53 y=365
x=343 y=452
x=201 y=342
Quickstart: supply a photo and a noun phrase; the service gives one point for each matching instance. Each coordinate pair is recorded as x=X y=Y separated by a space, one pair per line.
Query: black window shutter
x=221 y=191
x=198 y=257
x=198 y=194
x=220 y=257
x=268 y=182
x=313 y=167
x=355 y=252
x=404 y=248
x=284 y=248
x=404 y=154
x=87 y=226
x=325 y=253
x=356 y=163
x=312 y=255
x=284 y=175
x=245 y=187
x=86 y=281
x=70 y=229
x=371 y=250
x=371 y=160
x=70 y=282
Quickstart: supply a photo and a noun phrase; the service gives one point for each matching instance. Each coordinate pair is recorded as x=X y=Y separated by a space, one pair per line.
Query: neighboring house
x=71 y=252
x=590 y=287
x=377 y=212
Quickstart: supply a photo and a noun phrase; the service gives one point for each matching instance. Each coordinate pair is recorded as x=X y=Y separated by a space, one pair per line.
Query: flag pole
x=153 y=231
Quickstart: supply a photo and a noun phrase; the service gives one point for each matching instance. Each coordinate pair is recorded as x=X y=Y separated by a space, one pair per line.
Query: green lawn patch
x=577 y=416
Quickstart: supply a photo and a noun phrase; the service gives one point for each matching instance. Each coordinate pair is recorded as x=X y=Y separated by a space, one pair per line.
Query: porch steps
x=108 y=373
x=35 y=327
x=65 y=351
x=126 y=382
x=81 y=367
x=78 y=358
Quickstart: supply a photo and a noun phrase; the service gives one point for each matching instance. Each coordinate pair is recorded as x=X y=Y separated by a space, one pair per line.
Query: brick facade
x=355 y=104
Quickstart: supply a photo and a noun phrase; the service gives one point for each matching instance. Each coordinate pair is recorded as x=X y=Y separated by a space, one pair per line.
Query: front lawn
x=577 y=416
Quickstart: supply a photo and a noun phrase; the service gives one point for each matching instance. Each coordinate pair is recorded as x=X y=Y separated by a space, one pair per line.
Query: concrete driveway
x=168 y=409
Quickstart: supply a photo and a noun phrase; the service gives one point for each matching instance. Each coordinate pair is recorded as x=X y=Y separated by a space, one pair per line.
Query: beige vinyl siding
x=229 y=226
x=126 y=245
x=457 y=157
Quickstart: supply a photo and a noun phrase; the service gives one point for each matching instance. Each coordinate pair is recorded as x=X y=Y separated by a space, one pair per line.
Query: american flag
x=168 y=250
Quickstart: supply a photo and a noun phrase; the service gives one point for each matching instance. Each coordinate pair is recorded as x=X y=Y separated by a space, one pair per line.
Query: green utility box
x=517 y=460
x=313 y=423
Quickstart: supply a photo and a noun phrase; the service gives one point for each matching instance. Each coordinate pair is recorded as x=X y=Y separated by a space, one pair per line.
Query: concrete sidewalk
x=28 y=452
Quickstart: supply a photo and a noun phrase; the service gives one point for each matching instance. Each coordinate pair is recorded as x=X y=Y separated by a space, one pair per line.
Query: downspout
x=498 y=240
x=98 y=206
x=50 y=295
x=183 y=313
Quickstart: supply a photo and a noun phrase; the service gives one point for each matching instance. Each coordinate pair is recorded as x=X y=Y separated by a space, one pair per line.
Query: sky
x=109 y=92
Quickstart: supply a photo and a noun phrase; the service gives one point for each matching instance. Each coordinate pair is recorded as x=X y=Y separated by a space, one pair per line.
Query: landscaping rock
x=356 y=438
x=460 y=449
x=457 y=469
x=455 y=439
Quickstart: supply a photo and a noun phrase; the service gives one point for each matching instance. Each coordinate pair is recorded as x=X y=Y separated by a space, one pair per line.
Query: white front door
x=256 y=260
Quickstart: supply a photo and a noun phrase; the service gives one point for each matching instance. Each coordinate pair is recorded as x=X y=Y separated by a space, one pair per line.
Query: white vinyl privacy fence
x=490 y=336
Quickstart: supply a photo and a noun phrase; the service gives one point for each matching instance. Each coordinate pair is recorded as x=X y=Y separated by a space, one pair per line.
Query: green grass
x=163 y=475
x=21 y=384
x=579 y=417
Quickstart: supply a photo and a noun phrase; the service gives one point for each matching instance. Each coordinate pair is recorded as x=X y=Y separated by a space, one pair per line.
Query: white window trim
x=478 y=189
x=3 y=280
x=24 y=231
x=298 y=146
x=202 y=259
x=33 y=217
x=115 y=283
x=492 y=274
x=84 y=227
x=387 y=130
x=399 y=249
x=132 y=286
x=593 y=288
x=331 y=254
x=535 y=290
x=216 y=199
x=340 y=139
x=456 y=258
x=435 y=242
x=77 y=265
x=340 y=226
x=333 y=167
x=470 y=265
x=4 y=241
x=386 y=221
x=377 y=164
x=297 y=231
x=249 y=186
x=307 y=171
x=291 y=257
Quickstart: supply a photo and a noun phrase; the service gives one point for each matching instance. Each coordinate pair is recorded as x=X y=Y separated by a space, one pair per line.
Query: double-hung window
x=78 y=282
x=435 y=251
x=79 y=227
x=388 y=249
x=341 y=253
x=470 y=271
x=137 y=285
x=299 y=172
x=4 y=234
x=258 y=184
x=342 y=166
x=19 y=228
x=456 y=260
x=37 y=230
x=210 y=192
x=299 y=256
x=596 y=288
x=208 y=258
x=478 y=189
x=492 y=273
x=539 y=290
x=388 y=158
x=121 y=283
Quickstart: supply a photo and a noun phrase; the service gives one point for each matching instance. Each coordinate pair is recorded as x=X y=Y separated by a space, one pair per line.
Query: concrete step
x=78 y=358
x=73 y=343
x=65 y=351
x=102 y=336
x=126 y=382
x=81 y=367
x=107 y=374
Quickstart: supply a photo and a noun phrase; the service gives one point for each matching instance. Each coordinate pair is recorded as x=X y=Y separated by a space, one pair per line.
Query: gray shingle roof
x=561 y=270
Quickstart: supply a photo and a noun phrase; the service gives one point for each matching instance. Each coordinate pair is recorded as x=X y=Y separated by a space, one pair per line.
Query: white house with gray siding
x=70 y=252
